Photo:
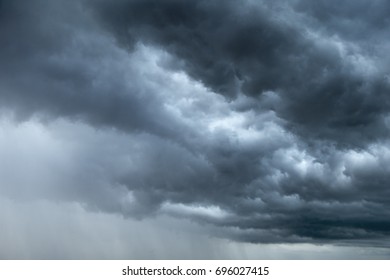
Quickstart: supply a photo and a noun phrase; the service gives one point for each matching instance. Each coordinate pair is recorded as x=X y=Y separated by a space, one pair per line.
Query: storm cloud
x=259 y=121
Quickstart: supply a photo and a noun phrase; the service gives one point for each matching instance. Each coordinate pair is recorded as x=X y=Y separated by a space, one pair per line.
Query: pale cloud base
x=49 y=210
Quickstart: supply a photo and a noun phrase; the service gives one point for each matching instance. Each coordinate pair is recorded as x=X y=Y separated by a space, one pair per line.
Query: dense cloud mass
x=262 y=121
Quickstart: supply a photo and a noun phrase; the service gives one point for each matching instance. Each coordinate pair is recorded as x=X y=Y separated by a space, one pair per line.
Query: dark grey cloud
x=55 y=62
x=256 y=47
x=353 y=20
x=266 y=122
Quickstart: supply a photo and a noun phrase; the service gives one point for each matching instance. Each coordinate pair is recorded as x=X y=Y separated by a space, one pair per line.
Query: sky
x=145 y=129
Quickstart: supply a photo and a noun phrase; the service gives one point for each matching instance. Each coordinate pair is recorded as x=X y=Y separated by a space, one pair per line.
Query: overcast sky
x=194 y=129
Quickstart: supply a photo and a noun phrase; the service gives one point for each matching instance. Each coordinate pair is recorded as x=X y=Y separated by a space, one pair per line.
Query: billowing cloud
x=260 y=122
x=327 y=84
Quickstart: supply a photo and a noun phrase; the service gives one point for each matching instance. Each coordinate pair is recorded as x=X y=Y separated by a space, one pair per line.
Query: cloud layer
x=263 y=122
